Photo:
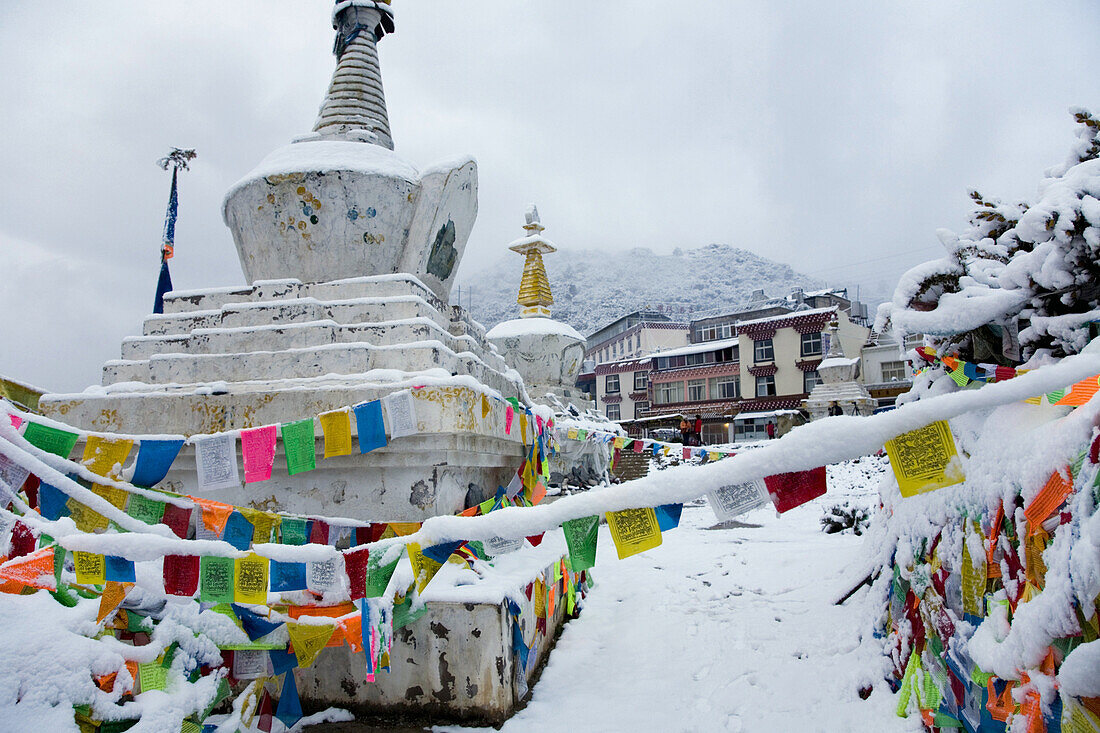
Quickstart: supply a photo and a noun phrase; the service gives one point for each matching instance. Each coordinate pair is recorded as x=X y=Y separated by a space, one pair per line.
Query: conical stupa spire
x=534 y=286
x=355 y=99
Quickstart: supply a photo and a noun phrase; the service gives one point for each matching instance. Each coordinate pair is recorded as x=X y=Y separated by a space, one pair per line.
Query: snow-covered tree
x=1026 y=270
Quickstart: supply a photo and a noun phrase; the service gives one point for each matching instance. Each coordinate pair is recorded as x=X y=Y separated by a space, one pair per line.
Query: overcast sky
x=835 y=137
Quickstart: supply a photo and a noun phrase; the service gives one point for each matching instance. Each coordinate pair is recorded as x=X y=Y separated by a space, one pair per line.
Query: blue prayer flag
x=52 y=502
x=369 y=425
x=440 y=553
x=253 y=623
x=290 y=706
x=287 y=576
x=282 y=661
x=154 y=458
x=238 y=531
x=668 y=515
x=120 y=570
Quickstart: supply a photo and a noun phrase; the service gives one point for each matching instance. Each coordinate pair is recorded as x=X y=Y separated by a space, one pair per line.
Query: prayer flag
x=293 y=531
x=308 y=640
x=114 y=593
x=424 y=568
x=181 y=575
x=369 y=426
x=299 y=446
x=1056 y=490
x=355 y=566
x=238 y=531
x=289 y=710
x=321 y=575
x=287 y=576
x=258 y=450
x=400 y=413
x=216 y=579
x=149 y=511
x=255 y=625
x=378 y=574
x=790 y=490
x=91 y=569
x=729 y=502
x=177 y=519
x=668 y=516
x=924 y=459
x=214 y=514
x=216 y=462
x=509 y=415
x=51 y=440
x=250 y=580
x=102 y=455
x=581 y=536
x=119 y=570
x=336 y=426
x=634 y=531
x=52 y=502
x=35 y=569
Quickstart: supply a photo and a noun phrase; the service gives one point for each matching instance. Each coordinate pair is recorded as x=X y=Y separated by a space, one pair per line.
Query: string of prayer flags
x=336 y=427
x=401 y=412
x=250 y=580
x=258 y=451
x=102 y=455
x=216 y=579
x=634 y=531
x=730 y=502
x=216 y=462
x=181 y=575
x=923 y=459
x=668 y=516
x=52 y=440
x=299 y=446
x=370 y=426
x=790 y=490
x=307 y=641
x=154 y=460
x=580 y=537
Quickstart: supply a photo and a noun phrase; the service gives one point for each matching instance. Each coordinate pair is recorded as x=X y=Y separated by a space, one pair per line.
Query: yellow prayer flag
x=619 y=442
x=538 y=596
x=336 y=426
x=403 y=529
x=634 y=531
x=523 y=427
x=86 y=520
x=973 y=576
x=924 y=459
x=91 y=569
x=308 y=640
x=424 y=568
x=117 y=497
x=250 y=580
x=263 y=522
x=102 y=454
x=713 y=455
x=571 y=433
x=485 y=407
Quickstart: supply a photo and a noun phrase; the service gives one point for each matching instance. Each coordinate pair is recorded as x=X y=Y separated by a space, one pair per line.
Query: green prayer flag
x=487 y=505
x=216 y=579
x=580 y=536
x=299 y=446
x=153 y=676
x=146 y=510
x=51 y=440
x=403 y=615
x=294 y=531
x=378 y=575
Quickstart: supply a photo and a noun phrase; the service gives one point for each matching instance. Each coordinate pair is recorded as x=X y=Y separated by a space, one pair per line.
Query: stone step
x=377 y=286
x=318 y=361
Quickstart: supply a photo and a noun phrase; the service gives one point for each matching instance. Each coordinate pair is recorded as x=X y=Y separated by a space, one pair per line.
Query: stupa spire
x=355 y=105
x=534 y=286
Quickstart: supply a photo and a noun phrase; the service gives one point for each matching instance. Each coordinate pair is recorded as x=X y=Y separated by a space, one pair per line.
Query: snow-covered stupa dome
x=338 y=202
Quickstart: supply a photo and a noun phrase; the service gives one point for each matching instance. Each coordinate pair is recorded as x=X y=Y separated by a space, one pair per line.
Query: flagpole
x=177 y=159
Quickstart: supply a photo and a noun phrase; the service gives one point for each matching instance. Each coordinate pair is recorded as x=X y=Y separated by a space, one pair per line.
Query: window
x=713 y=332
x=668 y=392
x=697 y=390
x=811 y=344
x=638 y=341
x=706 y=357
x=613 y=411
x=752 y=429
x=725 y=388
x=640 y=408
x=894 y=371
x=611 y=385
x=763 y=351
x=641 y=381
x=810 y=380
x=765 y=386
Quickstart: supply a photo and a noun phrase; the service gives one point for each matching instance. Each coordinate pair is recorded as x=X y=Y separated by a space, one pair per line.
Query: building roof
x=697 y=348
x=626 y=365
x=785 y=316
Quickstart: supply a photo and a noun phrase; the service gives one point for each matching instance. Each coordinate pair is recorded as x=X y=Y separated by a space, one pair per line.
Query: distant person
x=685 y=431
x=834 y=409
x=698 y=428
x=770 y=430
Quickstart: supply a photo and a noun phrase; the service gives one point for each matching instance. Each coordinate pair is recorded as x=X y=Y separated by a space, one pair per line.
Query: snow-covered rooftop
x=697 y=348
x=784 y=316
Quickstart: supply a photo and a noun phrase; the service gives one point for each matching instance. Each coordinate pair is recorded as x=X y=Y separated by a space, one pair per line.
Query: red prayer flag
x=23 y=540
x=319 y=534
x=177 y=519
x=355 y=564
x=790 y=490
x=181 y=575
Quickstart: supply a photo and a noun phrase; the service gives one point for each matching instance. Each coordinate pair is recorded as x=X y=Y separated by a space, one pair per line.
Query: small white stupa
x=838 y=384
x=546 y=353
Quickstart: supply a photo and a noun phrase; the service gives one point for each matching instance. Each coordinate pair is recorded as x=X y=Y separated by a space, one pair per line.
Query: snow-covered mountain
x=593 y=287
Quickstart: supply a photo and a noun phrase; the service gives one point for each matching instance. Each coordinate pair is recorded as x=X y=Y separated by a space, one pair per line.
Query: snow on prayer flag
x=307 y=640
x=289 y=710
x=580 y=537
x=216 y=579
x=51 y=440
x=634 y=531
x=52 y=502
x=400 y=413
x=119 y=570
x=238 y=531
x=250 y=580
x=322 y=575
x=1053 y=494
x=378 y=574
x=153 y=676
x=258 y=450
x=299 y=446
x=105 y=456
x=732 y=501
x=216 y=462
x=181 y=575
x=370 y=426
x=35 y=569
x=500 y=546
x=336 y=427
x=12 y=476
x=114 y=593
x=668 y=516
x=440 y=553
x=924 y=459
x=424 y=568
x=91 y=569
x=790 y=490
x=154 y=460
x=287 y=576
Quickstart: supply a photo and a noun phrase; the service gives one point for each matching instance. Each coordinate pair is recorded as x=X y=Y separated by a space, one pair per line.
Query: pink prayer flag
x=16 y=421
x=508 y=420
x=687 y=454
x=258 y=447
x=538 y=422
x=638 y=447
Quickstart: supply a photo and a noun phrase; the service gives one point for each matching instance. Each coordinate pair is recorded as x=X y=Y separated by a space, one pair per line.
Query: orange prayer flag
x=106 y=682
x=471 y=512
x=214 y=513
x=351 y=627
x=35 y=570
x=113 y=595
x=340 y=609
x=1081 y=392
x=401 y=529
x=538 y=493
x=1049 y=498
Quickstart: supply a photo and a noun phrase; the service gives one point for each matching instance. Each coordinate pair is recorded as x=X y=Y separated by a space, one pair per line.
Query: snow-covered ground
x=724 y=630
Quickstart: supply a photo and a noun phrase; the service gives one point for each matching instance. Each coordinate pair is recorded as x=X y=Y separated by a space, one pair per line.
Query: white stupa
x=838 y=384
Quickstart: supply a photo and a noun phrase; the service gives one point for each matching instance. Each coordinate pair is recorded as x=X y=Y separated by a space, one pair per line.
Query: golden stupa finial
x=534 y=287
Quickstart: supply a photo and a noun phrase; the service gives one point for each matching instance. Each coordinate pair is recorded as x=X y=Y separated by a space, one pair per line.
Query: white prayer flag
x=321 y=576
x=250 y=664
x=216 y=462
x=12 y=475
x=734 y=500
x=500 y=546
x=400 y=414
